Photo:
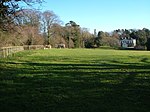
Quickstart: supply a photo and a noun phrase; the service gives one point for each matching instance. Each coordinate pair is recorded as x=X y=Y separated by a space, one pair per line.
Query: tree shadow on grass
x=45 y=87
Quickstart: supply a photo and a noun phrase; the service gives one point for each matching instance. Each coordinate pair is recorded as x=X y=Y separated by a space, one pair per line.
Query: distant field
x=75 y=80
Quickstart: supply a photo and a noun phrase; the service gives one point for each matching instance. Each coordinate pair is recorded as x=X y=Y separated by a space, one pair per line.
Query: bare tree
x=29 y=21
x=48 y=20
x=8 y=9
x=85 y=36
x=28 y=32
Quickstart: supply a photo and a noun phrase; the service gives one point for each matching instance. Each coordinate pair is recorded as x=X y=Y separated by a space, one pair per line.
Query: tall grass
x=75 y=80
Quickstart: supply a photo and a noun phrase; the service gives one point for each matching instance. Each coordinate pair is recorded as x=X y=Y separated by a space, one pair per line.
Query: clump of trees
x=112 y=39
x=20 y=26
x=141 y=35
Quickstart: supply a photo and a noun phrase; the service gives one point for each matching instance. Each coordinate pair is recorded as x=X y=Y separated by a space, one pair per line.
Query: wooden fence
x=33 y=47
x=9 y=51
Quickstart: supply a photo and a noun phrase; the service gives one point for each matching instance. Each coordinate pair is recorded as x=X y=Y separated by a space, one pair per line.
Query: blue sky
x=103 y=15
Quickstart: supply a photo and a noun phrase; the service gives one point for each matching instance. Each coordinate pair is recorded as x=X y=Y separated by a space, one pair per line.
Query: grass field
x=75 y=80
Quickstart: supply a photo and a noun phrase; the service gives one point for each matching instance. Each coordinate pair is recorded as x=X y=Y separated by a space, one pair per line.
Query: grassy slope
x=76 y=80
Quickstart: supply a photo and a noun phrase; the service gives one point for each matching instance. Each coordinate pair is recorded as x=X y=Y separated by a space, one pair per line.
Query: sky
x=102 y=15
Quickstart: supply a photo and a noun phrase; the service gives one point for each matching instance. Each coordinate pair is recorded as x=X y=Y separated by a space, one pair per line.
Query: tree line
x=113 y=38
x=20 y=26
x=28 y=26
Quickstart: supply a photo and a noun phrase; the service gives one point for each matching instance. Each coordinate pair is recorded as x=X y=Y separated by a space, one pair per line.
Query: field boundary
x=9 y=51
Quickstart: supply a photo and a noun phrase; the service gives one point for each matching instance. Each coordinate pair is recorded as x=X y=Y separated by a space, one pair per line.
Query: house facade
x=128 y=43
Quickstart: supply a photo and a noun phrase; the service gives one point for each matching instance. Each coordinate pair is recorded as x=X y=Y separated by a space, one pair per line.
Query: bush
x=110 y=41
x=148 y=44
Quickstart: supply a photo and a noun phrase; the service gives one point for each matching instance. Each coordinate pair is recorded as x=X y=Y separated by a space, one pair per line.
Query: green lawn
x=75 y=80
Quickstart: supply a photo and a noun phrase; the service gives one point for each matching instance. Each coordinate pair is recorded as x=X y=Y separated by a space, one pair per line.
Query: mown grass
x=75 y=80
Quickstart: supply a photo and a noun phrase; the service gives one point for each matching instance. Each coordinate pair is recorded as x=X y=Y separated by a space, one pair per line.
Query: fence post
x=5 y=52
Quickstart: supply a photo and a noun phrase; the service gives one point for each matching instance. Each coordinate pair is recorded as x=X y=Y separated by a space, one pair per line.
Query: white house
x=128 y=43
